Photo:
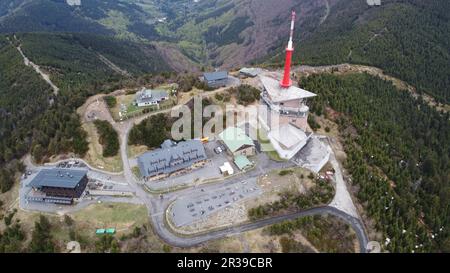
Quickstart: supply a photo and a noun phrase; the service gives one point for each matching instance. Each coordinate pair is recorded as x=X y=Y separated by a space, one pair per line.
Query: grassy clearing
x=113 y=215
x=133 y=110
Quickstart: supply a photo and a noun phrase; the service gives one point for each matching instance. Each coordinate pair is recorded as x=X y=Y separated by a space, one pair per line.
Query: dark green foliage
x=107 y=244
x=285 y=172
x=48 y=15
x=313 y=123
x=6 y=179
x=225 y=97
x=386 y=129
x=108 y=137
x=151 y=132
x=187 y=81
x=9 y=217
x=111 y=101
x=11 y=240
x=23 y=97
x=41 y=240
x=247 y=94
x=68 y=220
x=74 y=58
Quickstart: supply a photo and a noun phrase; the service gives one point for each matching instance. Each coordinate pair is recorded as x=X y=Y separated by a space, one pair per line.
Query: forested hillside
x=74 y=59
x=398 y=155
x=46 y=15
x=409 y=39
x=45 y=124
x=211 y=33
x=24 y=97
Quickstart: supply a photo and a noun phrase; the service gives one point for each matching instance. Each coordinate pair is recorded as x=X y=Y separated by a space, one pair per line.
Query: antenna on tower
x=286 y=82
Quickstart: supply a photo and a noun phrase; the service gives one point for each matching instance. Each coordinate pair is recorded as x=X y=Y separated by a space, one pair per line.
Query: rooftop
x=279 y=94
x=242 y=162
x=149 y=95
x=235 y=138
x=288 y=135
x=171 y=157
x=61 y=178
x=214 y=76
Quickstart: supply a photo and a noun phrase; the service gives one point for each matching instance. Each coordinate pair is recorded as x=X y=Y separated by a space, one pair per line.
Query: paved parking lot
x=190 y=209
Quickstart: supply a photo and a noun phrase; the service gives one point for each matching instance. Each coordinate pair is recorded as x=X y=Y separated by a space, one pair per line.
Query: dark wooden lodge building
x=58 y=185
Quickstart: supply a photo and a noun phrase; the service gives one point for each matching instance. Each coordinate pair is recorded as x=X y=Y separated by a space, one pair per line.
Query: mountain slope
x=47 y=15
x=409 y=39
x=81 y=57
x=213 y=33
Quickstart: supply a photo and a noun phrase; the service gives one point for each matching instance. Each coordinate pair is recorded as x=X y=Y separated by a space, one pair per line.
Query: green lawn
x=116 y=215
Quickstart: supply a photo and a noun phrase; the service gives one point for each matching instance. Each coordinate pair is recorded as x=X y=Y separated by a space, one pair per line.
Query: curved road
x=176 y=240
x=157 y=207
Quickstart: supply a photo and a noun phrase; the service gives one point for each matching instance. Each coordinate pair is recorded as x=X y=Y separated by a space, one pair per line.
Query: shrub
x=111 y=101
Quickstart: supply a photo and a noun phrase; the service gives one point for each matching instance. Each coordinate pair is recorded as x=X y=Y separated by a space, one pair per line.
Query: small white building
x=226 y=169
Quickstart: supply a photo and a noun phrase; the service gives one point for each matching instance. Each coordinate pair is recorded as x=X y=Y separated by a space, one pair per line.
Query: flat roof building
x=171 y=157
x=58 y=185
x=226 y=169
x=237 y=142
x=216 y=79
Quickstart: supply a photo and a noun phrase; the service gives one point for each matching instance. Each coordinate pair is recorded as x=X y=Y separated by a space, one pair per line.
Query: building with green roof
x=242 y=162
x=237 y=142
x=110 y=231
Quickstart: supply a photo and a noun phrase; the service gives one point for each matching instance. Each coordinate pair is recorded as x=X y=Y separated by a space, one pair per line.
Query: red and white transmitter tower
x=286 y=82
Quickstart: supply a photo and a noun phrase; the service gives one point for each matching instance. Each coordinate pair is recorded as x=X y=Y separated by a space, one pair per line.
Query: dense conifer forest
x=397 y=153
